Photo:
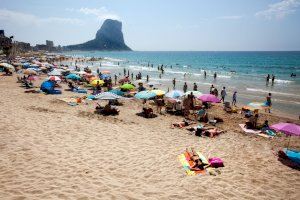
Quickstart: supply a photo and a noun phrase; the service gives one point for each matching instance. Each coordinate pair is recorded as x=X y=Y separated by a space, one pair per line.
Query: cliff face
x=109 y=37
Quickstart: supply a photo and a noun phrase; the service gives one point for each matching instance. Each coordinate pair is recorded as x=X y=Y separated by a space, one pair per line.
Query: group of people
x=268 y=77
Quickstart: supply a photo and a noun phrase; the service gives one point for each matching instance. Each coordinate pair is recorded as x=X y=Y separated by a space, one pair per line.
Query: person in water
x=195 y=87
x=185 y=87
x=215 y=75
x=273 y=79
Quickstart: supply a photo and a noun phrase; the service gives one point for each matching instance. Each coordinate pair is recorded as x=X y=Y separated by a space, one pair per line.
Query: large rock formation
x=108 y=38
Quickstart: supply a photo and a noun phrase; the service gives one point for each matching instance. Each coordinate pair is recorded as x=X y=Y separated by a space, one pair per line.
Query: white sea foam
x=113 y=59
x=282 y=81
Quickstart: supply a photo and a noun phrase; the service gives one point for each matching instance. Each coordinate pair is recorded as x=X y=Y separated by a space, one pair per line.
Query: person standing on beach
x=116 y=77
x=273 y=79
x=124 y=72
x=185 y=87
x=131 y=76
x=195 y=87
x=204 y=74
x=174 y=83
x=147 y=78
x=215 y=92
x=234 y=98
x=269 y=102
x=211 y=89
x=215 y=75
x=223 y=94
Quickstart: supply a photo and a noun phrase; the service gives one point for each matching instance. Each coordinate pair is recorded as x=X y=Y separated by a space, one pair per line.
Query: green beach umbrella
x=127 y=86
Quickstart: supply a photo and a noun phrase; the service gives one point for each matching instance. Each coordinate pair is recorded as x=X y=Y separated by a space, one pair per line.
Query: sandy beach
x=50 y=150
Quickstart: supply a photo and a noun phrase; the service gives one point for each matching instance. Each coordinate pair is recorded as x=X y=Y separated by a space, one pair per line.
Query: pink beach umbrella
x=209 y=98
x=32 y=78
x=54 y=78
x=287 y=128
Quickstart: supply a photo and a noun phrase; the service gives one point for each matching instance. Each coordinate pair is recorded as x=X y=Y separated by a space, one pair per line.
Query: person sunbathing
x=212 y=132
x=182 y=124
x=198 y=163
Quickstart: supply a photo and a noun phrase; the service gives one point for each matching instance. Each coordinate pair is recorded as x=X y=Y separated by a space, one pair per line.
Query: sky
x=159 y=25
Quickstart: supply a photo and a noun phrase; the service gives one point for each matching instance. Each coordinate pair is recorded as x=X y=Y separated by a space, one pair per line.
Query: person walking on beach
x=234 y=98
x=195 y=87
x=273 y=79
x=223 y=94
x=215 y=75
x=185 y=87
x=174 y=83
x=269 y=102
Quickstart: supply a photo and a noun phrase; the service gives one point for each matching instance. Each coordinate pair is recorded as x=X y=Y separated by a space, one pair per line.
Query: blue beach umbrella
x=145 y=95
x=73 y=77
x=174 y=94
x=47 y=86
x=117 y=92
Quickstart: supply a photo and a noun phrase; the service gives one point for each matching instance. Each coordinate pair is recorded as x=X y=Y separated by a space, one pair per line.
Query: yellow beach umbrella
x=159 y=92
x=97 y=82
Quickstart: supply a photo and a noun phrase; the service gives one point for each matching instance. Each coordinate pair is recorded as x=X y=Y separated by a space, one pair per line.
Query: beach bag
x=216 y=162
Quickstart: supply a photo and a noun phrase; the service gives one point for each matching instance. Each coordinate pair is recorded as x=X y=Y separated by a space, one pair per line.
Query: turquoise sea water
x=243 y=72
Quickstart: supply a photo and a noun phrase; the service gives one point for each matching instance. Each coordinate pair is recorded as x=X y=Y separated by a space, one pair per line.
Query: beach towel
x=256 y=132
x=186 y=163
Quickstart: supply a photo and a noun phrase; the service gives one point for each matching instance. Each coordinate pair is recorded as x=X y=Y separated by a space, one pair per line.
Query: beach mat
x=187 y=163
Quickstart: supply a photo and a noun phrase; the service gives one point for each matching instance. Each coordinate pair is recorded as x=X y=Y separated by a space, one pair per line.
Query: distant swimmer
x=293 y=75
x=233 y=71
x=215 y=75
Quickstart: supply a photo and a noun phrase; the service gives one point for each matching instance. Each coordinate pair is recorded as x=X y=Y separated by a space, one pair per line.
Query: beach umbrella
x=287 y=128
x=174 y=94
x=55 y=72
x=104 y=76
x=73 y=77
x=54 y=78
x=255 y=106
x=158 y=92
x=145 y=95
x=105 y=72
x=127 y=86
x=30 y=72
x=80 y=73
x=32 y=78
x=7 y=66
x=107 y=96
x=209 y=98
x=117 y=92
x=153 y=83
x=97 y=82
x=197 y=94
x=47 y=86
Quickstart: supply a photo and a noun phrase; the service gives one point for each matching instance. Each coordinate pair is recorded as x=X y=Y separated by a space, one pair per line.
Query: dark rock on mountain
x=108 y=38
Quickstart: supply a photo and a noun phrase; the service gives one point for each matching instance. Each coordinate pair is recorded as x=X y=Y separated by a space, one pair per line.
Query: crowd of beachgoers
x=202 y=115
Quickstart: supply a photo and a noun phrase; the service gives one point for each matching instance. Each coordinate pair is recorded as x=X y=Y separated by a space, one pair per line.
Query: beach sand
x=50 y=150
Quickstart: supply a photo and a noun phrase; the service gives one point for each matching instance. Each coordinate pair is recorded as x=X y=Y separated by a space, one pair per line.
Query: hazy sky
x=159 y=24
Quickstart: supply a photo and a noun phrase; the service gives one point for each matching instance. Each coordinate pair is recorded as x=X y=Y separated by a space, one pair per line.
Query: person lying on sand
x=182 y=124
x=205 y=131
x=198 y=163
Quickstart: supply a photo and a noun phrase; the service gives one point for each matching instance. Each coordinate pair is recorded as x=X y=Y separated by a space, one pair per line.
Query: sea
x=244 y=72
